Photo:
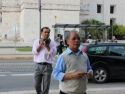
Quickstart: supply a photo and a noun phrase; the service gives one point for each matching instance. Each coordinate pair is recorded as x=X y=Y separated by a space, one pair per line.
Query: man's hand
x=77 y=75
x=90 y=74
x=41 y=42
x=47 y=45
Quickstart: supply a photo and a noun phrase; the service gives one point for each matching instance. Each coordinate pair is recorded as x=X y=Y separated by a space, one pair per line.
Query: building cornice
x=10 y=9
x=11 y=6
x=19 y=5
x=50 y=6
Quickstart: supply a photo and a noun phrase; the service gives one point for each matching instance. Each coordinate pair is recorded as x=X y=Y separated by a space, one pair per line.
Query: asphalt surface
x=14 y=66
x=7 y=53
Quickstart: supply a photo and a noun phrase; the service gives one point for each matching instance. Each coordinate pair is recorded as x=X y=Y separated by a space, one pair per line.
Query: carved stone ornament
x=11 y=5
x=84 y=8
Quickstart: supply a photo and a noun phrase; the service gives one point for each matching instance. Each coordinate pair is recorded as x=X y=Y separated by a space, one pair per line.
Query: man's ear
x=67 y=41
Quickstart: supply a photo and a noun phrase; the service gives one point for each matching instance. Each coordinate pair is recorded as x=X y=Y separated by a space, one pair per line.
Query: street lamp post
x=112 y=26
x=39 y=6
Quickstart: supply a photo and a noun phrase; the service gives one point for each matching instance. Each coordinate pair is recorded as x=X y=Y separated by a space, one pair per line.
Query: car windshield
x=81 y=46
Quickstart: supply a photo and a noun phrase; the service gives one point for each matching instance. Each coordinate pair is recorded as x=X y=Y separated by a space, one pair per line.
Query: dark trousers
x=59 y=50
x=66 y=93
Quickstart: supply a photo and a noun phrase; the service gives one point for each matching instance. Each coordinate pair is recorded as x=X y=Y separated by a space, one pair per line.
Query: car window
x=100 y=50
x=117 y=51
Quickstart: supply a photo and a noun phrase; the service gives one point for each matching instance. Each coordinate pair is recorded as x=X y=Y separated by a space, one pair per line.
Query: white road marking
x=2 y=75
x=21 y=74
x=5 y=72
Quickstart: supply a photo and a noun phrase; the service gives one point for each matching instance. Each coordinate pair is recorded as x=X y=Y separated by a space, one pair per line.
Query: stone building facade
x=25 y=15
x=107 y=11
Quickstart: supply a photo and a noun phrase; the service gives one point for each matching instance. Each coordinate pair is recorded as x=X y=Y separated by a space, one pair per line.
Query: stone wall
x=0 y=30
x=105 y=15
x=25 y=15
x=9 y=20
x=0 y=11
x=84 y=10
x=0 y=19
x=66 y=13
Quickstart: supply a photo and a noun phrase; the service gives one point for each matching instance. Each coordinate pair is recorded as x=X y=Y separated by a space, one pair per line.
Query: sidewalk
x=89 y=91
x=12 y=54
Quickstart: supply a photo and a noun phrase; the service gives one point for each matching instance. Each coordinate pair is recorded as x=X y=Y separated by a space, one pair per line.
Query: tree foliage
x=117 y=30
x=120 y=30
x=93 y=22
x=96 y=33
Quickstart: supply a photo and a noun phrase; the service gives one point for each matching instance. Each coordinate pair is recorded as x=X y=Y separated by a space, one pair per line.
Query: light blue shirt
x=59 y=70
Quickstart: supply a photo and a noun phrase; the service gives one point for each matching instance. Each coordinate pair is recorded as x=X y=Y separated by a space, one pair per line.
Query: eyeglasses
x=75 y=39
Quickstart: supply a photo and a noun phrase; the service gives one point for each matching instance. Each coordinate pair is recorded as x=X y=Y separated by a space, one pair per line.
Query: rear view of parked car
x=107 y=60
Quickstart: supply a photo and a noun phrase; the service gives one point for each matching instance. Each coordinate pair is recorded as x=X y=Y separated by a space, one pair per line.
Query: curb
x=106 y=91
x=89 y=91
x=21 y=57
x=18 y=57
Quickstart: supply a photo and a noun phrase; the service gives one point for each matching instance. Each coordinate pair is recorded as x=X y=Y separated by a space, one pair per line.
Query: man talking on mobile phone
x=44 y=50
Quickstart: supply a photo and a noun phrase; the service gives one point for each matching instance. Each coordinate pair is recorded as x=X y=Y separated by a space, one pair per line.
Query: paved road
x=20 y=81
x=18 y=75
x=17 y=65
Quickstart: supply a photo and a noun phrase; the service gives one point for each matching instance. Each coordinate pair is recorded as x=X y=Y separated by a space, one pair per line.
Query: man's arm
x=56 y=40
x=59 y=70
x=41 y=42
x=51 y=50
x=89 y=69
x=36 y=47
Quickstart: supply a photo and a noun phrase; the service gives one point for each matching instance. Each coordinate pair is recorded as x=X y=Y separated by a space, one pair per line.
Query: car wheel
x=100 y=75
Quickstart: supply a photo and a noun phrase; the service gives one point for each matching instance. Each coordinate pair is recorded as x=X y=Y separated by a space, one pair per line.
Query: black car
x=106 y=59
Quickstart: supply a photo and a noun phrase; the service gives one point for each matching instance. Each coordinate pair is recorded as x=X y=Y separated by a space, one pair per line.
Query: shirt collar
x=69 y=51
